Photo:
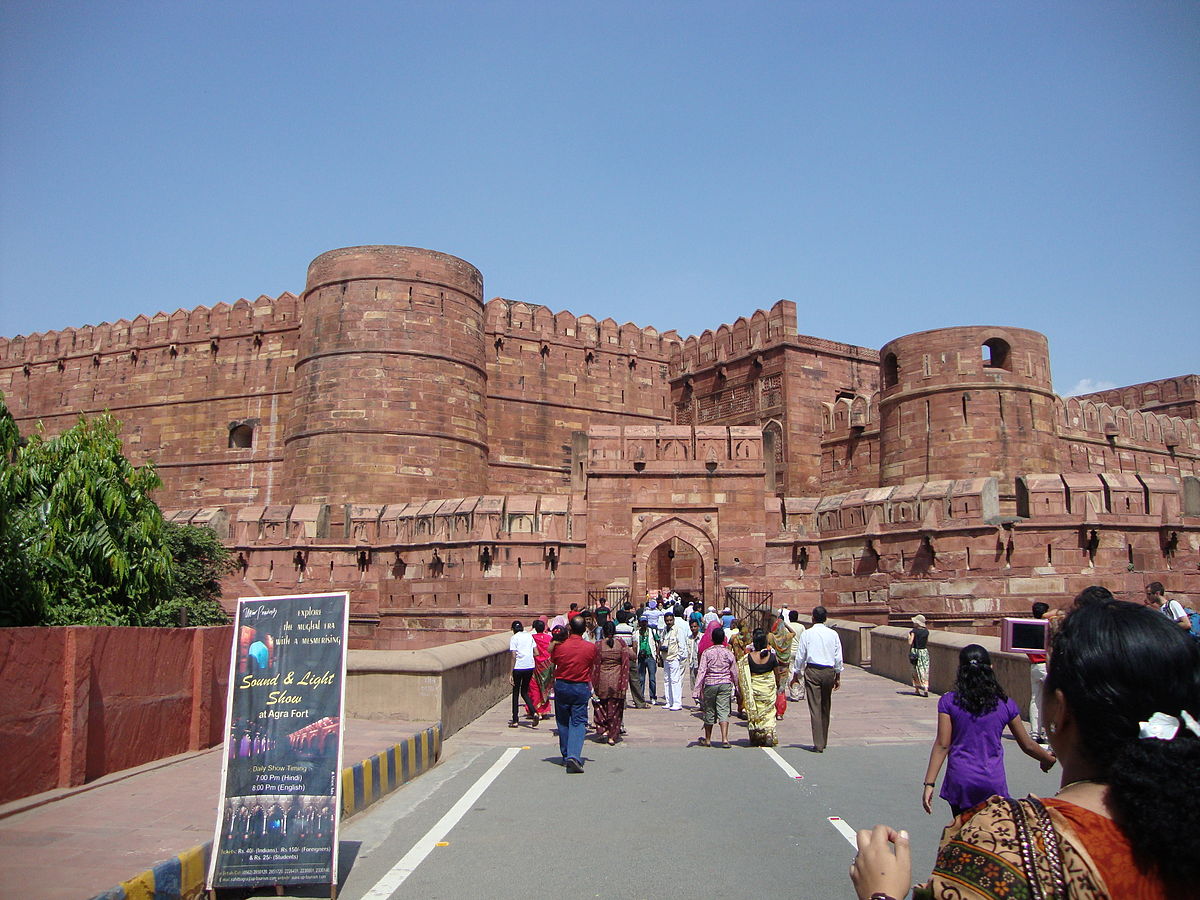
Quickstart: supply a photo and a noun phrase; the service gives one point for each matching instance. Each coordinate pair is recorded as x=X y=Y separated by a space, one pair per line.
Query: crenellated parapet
x=1173 y=396
x=461 y=520
x=512 y=319
x=674 y=449
x=762 y=330
x=160 y=331
x=1082 y=417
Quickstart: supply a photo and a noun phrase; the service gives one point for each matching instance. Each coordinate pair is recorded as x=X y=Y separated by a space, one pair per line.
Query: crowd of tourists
x=624 y=656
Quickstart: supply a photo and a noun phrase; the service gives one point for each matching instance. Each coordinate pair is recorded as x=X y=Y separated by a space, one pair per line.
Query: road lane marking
x=845 y=830
x=390 y=883
x=783 y=764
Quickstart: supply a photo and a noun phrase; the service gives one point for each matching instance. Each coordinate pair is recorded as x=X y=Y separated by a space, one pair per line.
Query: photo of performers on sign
x=280 y=784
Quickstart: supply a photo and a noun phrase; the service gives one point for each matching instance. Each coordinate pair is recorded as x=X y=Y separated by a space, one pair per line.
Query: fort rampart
x=455 y=463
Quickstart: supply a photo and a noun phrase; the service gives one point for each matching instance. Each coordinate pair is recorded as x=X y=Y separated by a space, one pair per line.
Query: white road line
x=836 y=821
x=389 y=883
x=846 y=831
x=783 y=764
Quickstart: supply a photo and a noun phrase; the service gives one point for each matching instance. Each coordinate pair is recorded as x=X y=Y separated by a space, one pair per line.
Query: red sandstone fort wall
x=455 y=464
x=759 y=371
x=552 y=375
x=179 y=383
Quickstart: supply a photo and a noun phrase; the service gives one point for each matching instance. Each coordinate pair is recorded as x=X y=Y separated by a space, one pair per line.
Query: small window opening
x=891 y=371
x=995 y=353
x=241 y=436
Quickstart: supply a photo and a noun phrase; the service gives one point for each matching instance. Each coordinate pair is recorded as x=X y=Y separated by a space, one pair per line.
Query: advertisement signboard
x=280 y=787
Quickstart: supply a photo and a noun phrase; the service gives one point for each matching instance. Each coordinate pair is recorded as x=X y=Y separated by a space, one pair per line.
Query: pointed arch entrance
x=678 y=554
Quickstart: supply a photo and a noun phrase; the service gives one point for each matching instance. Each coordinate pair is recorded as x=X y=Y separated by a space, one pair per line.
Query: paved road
x=655 y=817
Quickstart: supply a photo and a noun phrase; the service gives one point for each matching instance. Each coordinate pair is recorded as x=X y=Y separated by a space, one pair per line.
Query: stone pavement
x=657 y=815
x=75 y=843
x=867 y=710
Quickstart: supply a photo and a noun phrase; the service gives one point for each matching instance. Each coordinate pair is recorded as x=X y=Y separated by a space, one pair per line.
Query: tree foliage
x=83 y=543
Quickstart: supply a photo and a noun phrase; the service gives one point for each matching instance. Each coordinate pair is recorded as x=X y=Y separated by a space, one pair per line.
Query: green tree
x=83 y=541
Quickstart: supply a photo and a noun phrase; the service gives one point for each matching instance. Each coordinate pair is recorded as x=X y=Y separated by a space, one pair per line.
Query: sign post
x=280 y=779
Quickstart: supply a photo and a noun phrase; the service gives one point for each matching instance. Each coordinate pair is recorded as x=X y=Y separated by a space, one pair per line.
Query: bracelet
x=931 y=784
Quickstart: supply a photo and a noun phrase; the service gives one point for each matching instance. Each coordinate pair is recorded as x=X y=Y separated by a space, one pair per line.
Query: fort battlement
x=242 y=318
x=516 y=319
x=1172 y=396
x=1083 y=418
x=942 y=546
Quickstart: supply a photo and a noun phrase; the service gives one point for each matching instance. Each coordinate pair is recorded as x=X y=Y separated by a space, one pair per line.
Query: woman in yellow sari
x=1121 y=702
x=781 y=639
x=756 y=673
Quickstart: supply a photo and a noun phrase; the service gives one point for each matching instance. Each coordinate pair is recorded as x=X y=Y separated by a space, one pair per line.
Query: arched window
x=891 y=371
x=995 y=354
x=241 y=436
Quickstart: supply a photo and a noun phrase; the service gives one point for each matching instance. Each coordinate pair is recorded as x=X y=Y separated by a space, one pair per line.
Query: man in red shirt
x=573 y=659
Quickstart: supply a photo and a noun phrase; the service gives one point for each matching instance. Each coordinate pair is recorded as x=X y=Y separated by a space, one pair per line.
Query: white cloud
x=1089 y=386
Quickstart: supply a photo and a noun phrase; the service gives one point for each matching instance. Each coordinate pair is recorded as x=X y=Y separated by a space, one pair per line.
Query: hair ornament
x=1163 y=727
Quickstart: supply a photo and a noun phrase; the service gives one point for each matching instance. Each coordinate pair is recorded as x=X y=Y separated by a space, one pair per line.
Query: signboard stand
x=277 y=821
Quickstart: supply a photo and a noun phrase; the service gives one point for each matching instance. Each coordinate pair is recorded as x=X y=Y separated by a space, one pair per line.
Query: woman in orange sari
x=1121 y=702
x=542 y=682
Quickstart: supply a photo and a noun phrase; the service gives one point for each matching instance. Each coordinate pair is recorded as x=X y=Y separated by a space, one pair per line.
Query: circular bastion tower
x=968 y=402
x=390 y=397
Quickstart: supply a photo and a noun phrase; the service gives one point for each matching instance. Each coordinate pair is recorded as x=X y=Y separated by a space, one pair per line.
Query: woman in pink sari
x=542 y=682
x=706 y=639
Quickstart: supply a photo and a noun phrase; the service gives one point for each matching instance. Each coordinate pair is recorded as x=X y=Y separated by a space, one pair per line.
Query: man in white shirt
x=675 y=655
x=818 y=660
x=522 y=647
x=1172 y=609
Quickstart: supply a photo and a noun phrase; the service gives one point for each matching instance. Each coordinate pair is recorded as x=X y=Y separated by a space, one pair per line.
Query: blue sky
x=891 y=167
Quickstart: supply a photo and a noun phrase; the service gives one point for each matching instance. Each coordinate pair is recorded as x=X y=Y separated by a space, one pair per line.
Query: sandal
x=703 y=742
x=513 y=724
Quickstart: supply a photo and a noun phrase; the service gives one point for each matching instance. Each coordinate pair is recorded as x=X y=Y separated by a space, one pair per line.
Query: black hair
x=517 y=626
x=975 y=687
x=1155 y=587
x=623 y=616
x=1040 y=609
x=558 y=633
x=578 y=625
x=1117 y=664
x=574 y=606
x=677 y=609
x=610 y=629
x=718 y=635
x=539 y=626
x=819 y=615
x=760 y=639
x=1095 y=594
x=793 y=615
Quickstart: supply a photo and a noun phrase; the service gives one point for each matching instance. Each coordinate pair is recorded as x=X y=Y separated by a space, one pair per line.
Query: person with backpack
x=1172 y=609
